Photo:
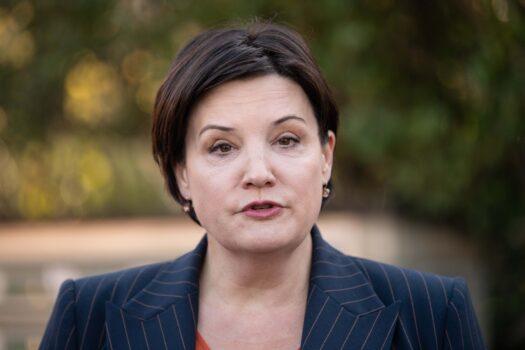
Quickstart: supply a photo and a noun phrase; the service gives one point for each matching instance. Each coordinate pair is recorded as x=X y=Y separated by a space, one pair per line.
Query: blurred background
x=430 y=159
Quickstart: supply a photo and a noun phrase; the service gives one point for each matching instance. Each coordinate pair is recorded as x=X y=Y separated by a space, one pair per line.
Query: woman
x=244 y=130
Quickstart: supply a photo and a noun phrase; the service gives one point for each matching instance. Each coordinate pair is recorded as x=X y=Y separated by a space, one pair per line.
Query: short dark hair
x=217 y=56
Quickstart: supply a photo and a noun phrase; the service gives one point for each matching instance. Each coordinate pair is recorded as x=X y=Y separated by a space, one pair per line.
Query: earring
x=187 y=206
x=326 y=191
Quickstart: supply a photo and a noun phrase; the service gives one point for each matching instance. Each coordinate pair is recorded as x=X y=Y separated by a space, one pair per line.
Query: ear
x=328 y=156
x=181 y=174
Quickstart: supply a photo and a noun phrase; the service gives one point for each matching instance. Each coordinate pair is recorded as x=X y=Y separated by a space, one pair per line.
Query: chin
x=241 y=235
x=268 y=239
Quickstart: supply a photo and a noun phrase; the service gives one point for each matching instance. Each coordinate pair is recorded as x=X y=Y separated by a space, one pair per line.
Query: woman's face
x=255 y=140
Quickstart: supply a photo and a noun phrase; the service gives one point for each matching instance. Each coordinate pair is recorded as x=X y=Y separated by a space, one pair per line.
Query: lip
x=249 y=205
x=268 y=213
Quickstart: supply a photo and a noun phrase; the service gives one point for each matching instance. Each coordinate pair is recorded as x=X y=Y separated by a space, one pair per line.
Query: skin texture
x=257 y=268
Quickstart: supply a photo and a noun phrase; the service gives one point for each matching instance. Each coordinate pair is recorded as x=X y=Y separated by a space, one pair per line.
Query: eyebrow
x=229 y=129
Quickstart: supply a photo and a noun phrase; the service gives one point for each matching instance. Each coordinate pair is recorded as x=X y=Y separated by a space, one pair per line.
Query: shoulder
x=436 y=310
x=393 y=282
x=117 y=286
x=79 y=310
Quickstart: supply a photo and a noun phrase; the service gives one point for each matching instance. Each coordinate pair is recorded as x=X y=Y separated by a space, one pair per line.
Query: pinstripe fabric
x=353 y=303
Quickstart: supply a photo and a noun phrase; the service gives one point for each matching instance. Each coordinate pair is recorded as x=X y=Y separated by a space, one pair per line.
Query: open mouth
x=263 y=210
x=261 y=207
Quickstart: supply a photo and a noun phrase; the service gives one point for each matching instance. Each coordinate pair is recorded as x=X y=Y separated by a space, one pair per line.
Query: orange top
x=200 y=343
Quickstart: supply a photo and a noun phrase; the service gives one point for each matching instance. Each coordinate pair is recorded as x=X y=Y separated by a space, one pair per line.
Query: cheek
x=305 y=184
x=209 y=188
x=304 y=176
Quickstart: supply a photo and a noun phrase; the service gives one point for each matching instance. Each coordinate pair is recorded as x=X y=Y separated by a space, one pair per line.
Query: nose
x=258 y=172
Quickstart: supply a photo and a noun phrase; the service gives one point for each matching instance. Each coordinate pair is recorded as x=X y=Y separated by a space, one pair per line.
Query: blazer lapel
x=343 y=311
x=164 y=314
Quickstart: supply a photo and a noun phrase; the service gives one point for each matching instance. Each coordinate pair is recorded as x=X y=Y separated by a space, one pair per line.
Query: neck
x=278 y=279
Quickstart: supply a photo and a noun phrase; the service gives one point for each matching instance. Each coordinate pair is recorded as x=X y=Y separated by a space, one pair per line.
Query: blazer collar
x=342 y=311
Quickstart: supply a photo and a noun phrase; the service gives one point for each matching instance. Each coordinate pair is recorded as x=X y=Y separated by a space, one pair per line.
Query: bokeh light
x=17 y=46
x=136 y=66
x=93 y=92
x=143 y=71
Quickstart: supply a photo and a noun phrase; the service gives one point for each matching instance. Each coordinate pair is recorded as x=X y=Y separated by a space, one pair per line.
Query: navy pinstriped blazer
x=353 y=303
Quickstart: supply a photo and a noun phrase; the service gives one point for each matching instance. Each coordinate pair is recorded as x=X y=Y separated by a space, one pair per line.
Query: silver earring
x=187 y=206
x=326 y=191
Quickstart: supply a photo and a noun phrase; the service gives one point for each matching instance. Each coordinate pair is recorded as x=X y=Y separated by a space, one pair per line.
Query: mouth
x=262 y=209
x=261 y=205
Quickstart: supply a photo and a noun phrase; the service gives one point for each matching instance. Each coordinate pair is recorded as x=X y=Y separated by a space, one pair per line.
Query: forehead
x=259 y=100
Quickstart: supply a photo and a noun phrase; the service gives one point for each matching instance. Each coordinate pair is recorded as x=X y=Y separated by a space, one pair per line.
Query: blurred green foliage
x=432 y=98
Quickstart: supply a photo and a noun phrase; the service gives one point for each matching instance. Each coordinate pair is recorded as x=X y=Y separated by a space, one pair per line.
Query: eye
x=221 y=148
x=288 y=141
